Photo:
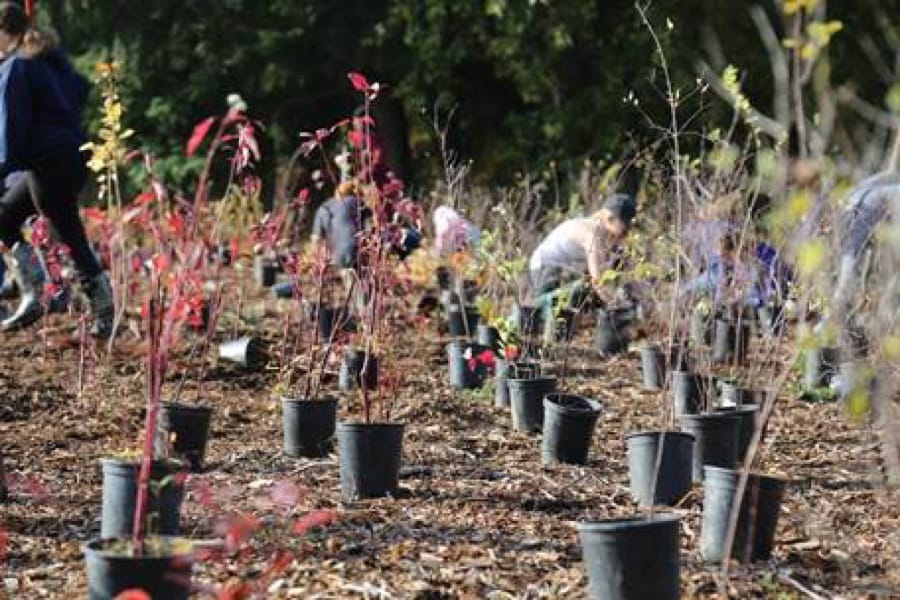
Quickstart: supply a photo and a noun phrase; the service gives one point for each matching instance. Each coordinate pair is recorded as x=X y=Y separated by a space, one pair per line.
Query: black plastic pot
x=159 y=572
x=249 y=352
x=265 y=271
x=688 y=393
x=529 y=320
x=462 y=322
x=731 y=342
x=488 y=336
x=308 y=426
x=463 y=375
x=757 y=520
x=526 y=396
x=679 y=357
x=748 y=415
x=701 y=327
x=653 y=366
x=370 y=457
x=184 y=429
x=351 y=375
x=120 y=483
x=613 y=333
x=632 y=559
x=821 y=366
x=569 y=423
x=511 y=370
x=715 y=440
x=444 y=278
x=675 y=475
x=731 y=394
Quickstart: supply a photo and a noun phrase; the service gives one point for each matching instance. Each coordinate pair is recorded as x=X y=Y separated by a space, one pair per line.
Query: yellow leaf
x=811 y=257
x=799 y=204
x=891 y=347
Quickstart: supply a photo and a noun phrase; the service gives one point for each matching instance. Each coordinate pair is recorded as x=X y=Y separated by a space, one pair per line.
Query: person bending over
x=580 y=247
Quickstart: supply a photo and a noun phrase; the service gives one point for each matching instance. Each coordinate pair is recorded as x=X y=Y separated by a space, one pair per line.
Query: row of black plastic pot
x=639 y=558
x=370 y=457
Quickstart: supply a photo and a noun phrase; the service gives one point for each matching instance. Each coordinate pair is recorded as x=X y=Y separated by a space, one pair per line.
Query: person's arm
x=16 y=114
x=597 y=259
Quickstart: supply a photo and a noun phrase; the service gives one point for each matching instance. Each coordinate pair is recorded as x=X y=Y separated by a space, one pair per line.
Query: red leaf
x=133 y=594
x=302 y=197
x=144 y=198
x=511 y=352
x=356 y=138
x=200 y=131
x=360 y=83
x=318 y=518
x=487 y=359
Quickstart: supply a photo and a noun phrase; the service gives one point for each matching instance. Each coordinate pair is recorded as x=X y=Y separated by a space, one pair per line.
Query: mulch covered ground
x=478 y=516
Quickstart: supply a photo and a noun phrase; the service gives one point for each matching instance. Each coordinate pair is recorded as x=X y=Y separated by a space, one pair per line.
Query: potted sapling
x=371 y=448
x=309 y=416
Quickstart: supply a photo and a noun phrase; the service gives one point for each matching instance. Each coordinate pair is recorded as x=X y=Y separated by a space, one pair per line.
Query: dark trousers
x=51 y=187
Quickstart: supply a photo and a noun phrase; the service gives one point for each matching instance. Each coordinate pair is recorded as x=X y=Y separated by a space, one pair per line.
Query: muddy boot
x=100 y=300
x=26 y=269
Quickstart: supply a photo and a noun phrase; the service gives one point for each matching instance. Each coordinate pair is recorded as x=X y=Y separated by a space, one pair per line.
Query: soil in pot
x=757 y=519
x=358 y=370
x=161 y=570
x=821 y=365
x=675 y=475
x=526 y=397
x=120 y=484
x=184 y=430
x=370 y=458
x=569 y=423
x=467 y=365
x=308 y=426
x=613 y=330
x=462 y=321
x=632 y=559
x=715 y=440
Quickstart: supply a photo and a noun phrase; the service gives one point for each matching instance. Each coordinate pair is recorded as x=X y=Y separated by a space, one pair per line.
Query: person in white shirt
x=580 y=247
x=453 y=232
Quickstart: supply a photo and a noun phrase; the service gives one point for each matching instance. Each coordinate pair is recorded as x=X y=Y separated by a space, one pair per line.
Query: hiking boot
x=26 y=270
x=100 y=301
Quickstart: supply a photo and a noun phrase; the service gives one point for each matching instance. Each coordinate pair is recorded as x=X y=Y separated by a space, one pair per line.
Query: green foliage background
x=534 y=80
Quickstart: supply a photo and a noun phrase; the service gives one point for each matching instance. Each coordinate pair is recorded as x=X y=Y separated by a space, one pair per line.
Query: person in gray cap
x=580 y=247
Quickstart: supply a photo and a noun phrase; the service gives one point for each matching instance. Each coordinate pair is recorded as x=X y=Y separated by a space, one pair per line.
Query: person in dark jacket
x=75 y=88
x=40 y=135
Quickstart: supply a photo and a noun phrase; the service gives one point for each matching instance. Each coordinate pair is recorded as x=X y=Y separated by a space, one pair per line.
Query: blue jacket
x=74 y=86
x=36 y=118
